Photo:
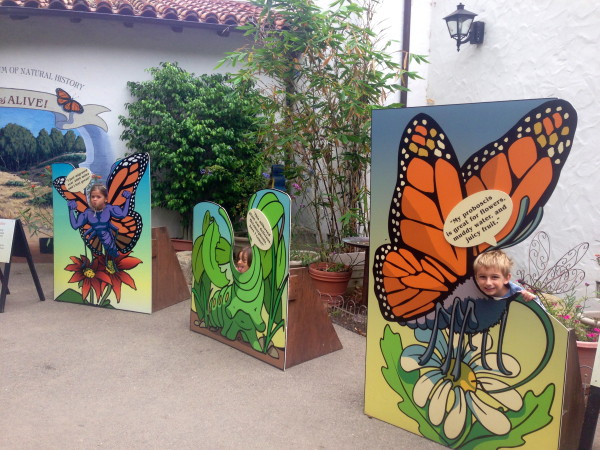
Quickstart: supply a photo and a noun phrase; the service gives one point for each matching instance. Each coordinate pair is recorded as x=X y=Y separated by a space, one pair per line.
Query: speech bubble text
x=259 y=229
x=478 y=218
x=78 y=179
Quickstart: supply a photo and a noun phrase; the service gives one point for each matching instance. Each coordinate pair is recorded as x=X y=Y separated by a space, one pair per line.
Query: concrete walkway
x=75 y=377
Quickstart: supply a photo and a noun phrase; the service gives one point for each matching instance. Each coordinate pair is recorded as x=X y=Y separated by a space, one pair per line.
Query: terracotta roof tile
x=221 y=12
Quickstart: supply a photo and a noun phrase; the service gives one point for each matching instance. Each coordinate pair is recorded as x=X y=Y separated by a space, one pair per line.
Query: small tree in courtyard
x=324 y=72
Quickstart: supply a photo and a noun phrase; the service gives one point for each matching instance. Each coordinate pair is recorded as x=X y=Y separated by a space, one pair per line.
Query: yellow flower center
x=89 y=273
x=110 y=267
x=468 y=380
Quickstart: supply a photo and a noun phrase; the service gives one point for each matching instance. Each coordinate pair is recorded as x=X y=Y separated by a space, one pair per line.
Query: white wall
x=534 y=50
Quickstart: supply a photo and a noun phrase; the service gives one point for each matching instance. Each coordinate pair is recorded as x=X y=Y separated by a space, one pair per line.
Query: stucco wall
x=533 y=50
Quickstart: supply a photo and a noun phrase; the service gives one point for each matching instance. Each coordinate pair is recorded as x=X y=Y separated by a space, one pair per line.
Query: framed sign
x=7 y=230
x=14 y=243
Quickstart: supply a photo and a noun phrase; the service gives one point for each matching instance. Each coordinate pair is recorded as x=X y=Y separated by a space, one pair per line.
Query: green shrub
x=19 y=194
x=199 y=132
x=14 y=183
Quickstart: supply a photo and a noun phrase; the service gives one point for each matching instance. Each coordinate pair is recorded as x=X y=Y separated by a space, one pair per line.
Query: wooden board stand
x=573 y=398
x=18 y=247
x=168 y=282
x=310 y=333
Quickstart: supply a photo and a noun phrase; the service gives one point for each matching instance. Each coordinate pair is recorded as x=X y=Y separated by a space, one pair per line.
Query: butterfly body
x=421 y=279
x=117 y=227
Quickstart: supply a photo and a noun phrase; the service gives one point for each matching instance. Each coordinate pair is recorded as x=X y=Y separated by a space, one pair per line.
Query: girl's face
x=97 y=200
x=242 y=264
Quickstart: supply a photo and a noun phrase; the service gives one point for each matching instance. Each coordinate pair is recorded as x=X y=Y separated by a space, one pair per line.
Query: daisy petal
x=424 y=386
x=409 y=360
x=491 y=419
x=455 y=422
x=511 y=399
x=437 y=407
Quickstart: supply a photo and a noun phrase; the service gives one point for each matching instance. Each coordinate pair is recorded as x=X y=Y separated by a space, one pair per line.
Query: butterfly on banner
x=67 y=103
x=117 y=227
x=420 y=278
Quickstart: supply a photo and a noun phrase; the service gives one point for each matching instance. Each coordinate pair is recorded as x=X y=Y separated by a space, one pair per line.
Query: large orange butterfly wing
x=419 y=268
x=125 y=176
x=80 y=199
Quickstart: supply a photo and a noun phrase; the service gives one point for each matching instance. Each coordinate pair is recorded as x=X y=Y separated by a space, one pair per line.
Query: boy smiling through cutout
x=492 y=275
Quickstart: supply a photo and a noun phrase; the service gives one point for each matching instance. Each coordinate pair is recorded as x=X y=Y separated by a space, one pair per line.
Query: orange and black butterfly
x=67 y=103
x=125 y=175
x=419 y=270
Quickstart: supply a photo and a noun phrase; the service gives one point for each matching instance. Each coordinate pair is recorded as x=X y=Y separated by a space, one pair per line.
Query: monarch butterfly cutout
x=123 y=232
x=67 y=103
x=420 y=277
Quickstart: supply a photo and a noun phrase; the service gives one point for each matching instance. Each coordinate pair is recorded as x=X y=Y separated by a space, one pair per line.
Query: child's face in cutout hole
x=97 y=200
x=492 y=282
x=242 y=264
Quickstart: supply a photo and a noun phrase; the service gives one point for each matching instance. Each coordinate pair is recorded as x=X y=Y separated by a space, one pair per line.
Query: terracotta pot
x=587 y=355
x=331 y=283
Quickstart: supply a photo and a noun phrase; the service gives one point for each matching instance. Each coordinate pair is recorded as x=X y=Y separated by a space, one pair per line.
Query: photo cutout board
x=444 y=360
x=103 y=251
x=246 y=310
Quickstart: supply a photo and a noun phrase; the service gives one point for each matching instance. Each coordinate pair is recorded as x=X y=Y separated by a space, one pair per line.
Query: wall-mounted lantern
x=462 y=28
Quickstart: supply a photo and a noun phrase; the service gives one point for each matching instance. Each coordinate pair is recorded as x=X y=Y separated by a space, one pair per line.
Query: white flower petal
x=491 y=419
x=437 y=407
x=455 y=422
x=511 y=399
x=424 y=386
x=441 y=345
x=409 y=360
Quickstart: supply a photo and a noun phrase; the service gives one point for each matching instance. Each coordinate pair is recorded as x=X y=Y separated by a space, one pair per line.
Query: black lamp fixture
x=462 y=28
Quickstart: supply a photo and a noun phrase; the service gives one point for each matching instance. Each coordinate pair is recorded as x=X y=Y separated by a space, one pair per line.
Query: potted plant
x=321 y=73
x=330 y=278
x=198 y=131
x=570 y=311
x=331 y=272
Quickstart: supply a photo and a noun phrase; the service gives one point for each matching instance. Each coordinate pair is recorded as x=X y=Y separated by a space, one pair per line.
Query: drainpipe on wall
x=405 y=49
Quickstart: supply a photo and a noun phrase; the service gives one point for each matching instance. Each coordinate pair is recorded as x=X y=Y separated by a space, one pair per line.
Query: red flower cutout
x=91 y=274
x=115 y=269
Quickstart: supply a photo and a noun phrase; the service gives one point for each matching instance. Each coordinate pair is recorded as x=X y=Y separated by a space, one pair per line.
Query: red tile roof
x=209 y=12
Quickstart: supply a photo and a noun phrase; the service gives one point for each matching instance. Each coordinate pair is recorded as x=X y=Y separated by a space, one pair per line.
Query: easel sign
x=14 y=243
x=7 y=230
